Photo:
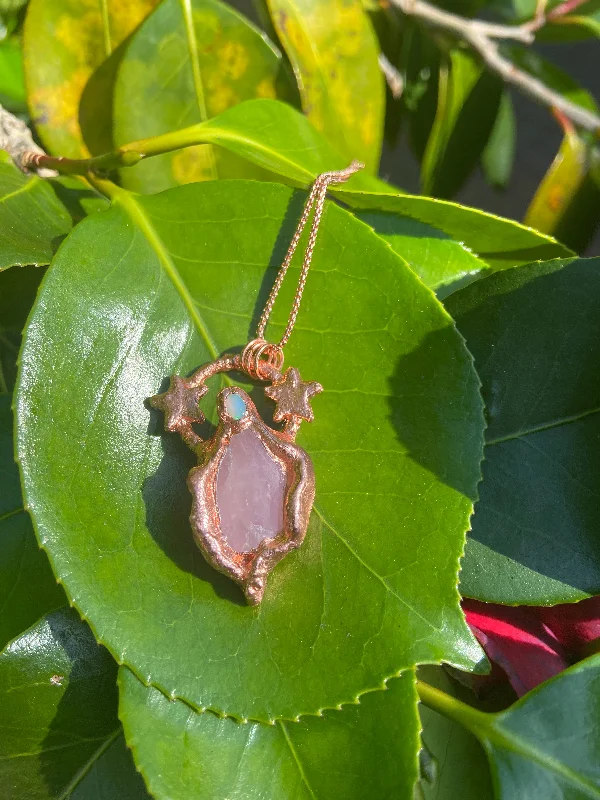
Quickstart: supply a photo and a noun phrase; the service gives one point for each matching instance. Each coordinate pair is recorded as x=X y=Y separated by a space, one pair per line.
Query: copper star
x=292 y=395
x=180 y=404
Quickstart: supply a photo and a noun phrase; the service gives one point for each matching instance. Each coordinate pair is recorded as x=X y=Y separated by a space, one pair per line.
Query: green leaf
x=499 y=154
x=60 y=738
x=64 y=42
x=334 y=53
x=567 y=201
x=12 y=82
x=187 y=62
x=32 y=220
x=534 y=334
x=545 y=745
x=460 y=768
x=278 y=138
x=500 y=243
x=171 y=281
x=28 y=588
x=369 y=748
x=442 y=263
x=468 y=103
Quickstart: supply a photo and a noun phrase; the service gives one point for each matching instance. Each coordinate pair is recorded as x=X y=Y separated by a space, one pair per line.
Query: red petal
x=517 y=640
x=575 y=625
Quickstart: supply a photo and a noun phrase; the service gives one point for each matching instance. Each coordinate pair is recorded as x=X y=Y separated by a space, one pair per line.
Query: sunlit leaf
x=278 y=138
x=534 y=333
x=567 y=201
x=187 y=62
x=441 y=263
x=64 y=43
x=369 y=749
x=32 y=220
x=334 y=52
x=59 y=732
x=171 y=281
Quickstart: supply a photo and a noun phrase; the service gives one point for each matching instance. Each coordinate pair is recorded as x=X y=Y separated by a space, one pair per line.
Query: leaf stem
x=478 y=722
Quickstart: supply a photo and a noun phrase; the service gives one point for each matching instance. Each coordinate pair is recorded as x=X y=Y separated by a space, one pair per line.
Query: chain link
x=315 y=199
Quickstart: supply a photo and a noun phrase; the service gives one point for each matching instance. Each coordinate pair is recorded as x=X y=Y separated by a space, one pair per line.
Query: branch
x=481 y=35
x=16 y=139
x=393 y=78
x=460 y=25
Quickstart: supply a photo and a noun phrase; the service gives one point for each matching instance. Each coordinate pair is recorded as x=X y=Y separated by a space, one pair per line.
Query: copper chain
x=316 y=198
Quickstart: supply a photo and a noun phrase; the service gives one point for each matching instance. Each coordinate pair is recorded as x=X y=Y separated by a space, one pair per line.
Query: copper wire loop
x=260 y=354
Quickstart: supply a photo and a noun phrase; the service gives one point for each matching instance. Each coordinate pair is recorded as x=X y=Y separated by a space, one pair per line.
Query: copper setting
x=251 y=568
x=273 y=468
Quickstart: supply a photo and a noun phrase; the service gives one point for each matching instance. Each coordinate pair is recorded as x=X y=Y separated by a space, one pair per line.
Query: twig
x=460 y=25
x=16 y=139
x=393 y=78
x=481 y=35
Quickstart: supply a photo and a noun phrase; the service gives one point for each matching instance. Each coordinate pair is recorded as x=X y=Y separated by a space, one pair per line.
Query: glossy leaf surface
x=171 y=281
x=187 y=62
x=28 y=589
x=32 y=220
x=534 y=537
x=276 y=137
x=58 y=695
x=334 y=52
x=64 y=42
x=185 y=755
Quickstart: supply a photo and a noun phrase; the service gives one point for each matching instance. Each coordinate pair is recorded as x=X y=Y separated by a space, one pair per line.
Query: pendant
x=254 y=487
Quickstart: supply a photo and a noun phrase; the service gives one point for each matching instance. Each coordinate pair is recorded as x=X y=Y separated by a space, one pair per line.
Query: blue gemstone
x=235 y=405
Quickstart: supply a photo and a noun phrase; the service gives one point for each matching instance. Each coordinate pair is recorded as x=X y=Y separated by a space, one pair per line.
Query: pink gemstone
x=250 y=493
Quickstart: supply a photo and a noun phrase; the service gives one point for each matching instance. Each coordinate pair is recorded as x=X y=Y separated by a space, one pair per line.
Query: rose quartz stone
x=250 y=493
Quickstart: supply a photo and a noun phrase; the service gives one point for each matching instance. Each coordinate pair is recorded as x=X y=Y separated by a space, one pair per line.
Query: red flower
x=531 y=644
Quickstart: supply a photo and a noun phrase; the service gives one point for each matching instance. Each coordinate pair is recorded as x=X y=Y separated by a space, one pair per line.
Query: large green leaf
x=28 y=588
x=534 y=334
x=187 y=62
x=546 y=745
x=60 y=738
x=365 y=750
x=32 y=220
x=278 y=138
x=64 y=42
x=468 y=103
x=460 y=769
x=334 y=52
x=171 y=281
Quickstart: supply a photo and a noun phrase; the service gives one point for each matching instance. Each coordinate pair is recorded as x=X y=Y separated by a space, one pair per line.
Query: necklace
x=254 y=487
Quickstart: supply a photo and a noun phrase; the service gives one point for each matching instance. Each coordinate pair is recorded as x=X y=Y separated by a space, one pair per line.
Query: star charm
x=180 y=404
x=292 y=396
